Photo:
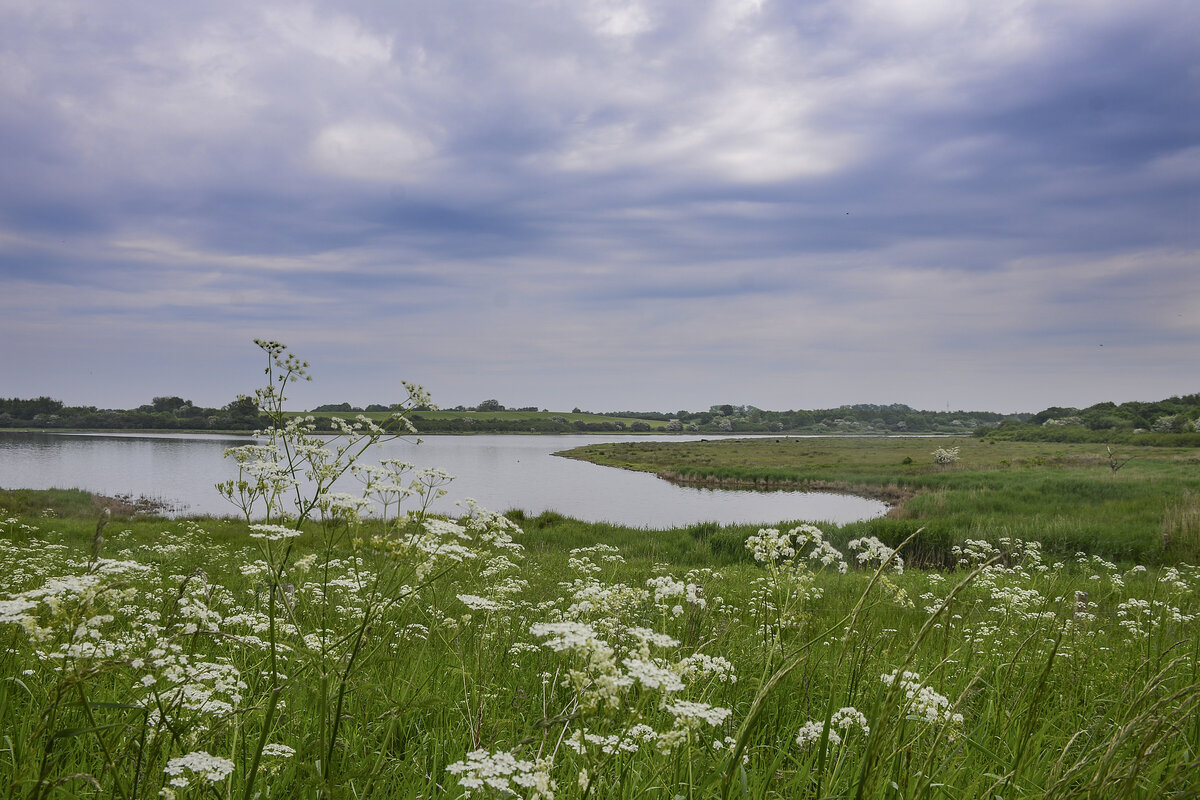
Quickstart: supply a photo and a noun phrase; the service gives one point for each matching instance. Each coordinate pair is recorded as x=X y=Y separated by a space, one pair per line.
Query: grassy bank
x=417 y=658
x=1067 y=496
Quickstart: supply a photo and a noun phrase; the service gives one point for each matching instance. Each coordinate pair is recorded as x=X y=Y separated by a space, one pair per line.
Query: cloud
x=370 y=151
x=659 y=203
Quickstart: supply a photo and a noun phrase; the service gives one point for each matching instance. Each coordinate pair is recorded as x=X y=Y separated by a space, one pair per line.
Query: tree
x=336 y=407
x=489 y=405
x=243 y=412
x=171 y=404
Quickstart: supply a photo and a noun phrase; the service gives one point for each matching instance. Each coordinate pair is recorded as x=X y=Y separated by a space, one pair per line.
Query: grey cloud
x=817 y=174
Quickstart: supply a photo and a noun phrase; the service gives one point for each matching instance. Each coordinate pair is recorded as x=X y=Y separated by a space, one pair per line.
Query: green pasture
x=1067 y=496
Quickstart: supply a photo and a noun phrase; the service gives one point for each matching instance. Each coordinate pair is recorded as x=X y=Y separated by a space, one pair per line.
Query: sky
x=604 y=204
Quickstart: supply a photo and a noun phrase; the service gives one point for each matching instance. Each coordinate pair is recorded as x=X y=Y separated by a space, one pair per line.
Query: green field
x=1064 y=495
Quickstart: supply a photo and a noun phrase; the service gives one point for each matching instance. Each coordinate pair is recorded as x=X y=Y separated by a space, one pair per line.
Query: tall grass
x=1054 y=700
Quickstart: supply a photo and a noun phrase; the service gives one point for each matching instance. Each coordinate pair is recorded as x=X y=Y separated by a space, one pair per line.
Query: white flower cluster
x=945 y=455
x=974 y=551
x=845 y=720
x=272 y=533
x=605 y=602
x=1181 y=577
x=565 y=635
x=872 y=551
x=653 y=674
x=477 y=603
x=184 y=683
x=665 y=588
x=491 y=529
x=598 y=680
x=690 y=714
x=629 y=741
x=704 y=664
x=199 y=764
x=769 y=546
x=923 y=702
x=504 y=773
x=1140 y=618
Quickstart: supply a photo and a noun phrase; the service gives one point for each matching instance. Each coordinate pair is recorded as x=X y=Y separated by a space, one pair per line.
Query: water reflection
x=500 y=472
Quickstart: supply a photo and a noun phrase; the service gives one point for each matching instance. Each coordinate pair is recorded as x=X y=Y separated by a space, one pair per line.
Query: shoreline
x=893 y=494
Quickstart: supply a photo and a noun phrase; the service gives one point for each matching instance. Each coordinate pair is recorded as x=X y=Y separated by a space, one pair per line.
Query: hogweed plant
x=793 y=559
x=291 y=470
x=395 y=555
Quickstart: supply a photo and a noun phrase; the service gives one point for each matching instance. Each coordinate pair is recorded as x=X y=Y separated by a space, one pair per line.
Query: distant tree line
x=1174 y=421
x=486 y=405
x=728 y=418
x=553 y=424
x=161 y=413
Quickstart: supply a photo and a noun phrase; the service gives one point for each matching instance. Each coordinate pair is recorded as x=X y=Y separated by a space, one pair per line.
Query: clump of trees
x=161 y=413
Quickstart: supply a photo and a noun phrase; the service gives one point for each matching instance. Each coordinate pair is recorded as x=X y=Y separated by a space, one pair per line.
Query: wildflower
x=477 y=603
x=923 y=702
x=201 y=764
x=341 y=504
x=503 y=772
x=565 y=635
x=608 y=745
x=14 y=610
x=810 y=733
x=278 y=751
x=272 y=533
x=691 y=715
x=649 y=637
x=845 y=719
x=872 y=551
x=652 y=675
x=704 y=664
x=769 y=545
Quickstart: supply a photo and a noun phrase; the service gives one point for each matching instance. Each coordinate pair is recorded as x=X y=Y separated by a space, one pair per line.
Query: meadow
x=1135 y=504
x=330 y=645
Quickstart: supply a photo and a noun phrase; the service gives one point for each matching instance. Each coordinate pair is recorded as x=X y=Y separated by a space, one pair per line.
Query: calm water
x=500 y=472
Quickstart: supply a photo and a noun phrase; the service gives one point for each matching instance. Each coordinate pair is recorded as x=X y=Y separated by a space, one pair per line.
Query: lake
x=500 y=472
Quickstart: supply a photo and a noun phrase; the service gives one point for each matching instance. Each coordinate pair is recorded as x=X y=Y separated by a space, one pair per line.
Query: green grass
x=381 y=688
x=1065 y=495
